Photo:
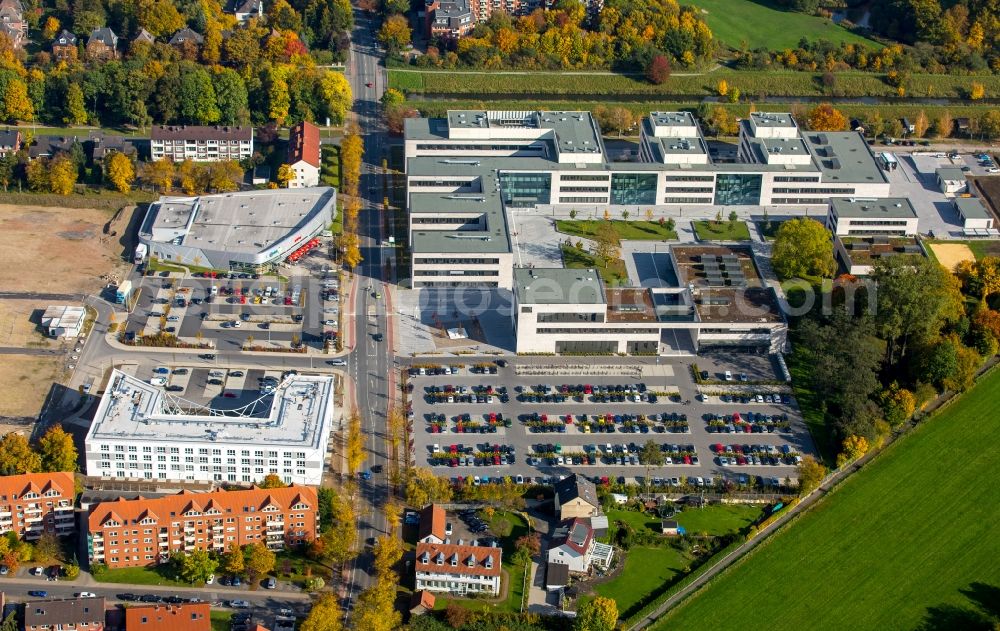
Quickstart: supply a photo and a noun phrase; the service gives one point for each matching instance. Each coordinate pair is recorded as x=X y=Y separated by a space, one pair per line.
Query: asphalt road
x=371 y=361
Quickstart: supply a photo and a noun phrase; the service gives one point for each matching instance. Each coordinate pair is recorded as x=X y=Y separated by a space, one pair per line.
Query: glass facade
x=738 y=189
x=634 y=188
x=525 y=190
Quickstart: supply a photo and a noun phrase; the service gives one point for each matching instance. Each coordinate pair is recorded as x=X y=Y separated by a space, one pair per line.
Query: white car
x=210 y=580
x=38 y=571
x=993 y=170
x=158 y=381
x=329 y=322
x=337 y=362
x=729 y=375
x=85 y=595
x=236 y=324
x=239 y=604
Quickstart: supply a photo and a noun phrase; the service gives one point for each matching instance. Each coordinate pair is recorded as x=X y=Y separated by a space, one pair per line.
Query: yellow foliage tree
x=824 y=117
x=159 y=173
x=62 y=175
x=285 y=175
x=188 y=173
x=977 y=91
x=51 y=27
x=854 y=447
x=722 y=88
x=121 y=171
x=355 y=443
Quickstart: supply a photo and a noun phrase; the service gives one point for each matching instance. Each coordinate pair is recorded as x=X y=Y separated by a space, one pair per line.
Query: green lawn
x=647 y=570
x=980 y=249
x=719 y=519
x=141 y=576
x=896 y=546
x=221 y=620
x=627 y=230
x=723 y=231
x=613 y=273
x=758 y=23
x=330 y=170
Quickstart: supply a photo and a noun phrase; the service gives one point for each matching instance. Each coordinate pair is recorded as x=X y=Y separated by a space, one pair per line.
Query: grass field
x=139 y=576
x=647 y=569
x=980 y=248
x=723 y=231
x=613 y=272
x=896 y=546
x=758 y=23
x=627 y=230
x=221 y=620
x=713 y=520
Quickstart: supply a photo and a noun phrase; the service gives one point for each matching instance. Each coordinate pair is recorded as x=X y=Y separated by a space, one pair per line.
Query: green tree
x=16 y=455
x=392 y=97
x=651 y=456
x=57 y=451
x=195 y=566
x=335 y=545
x=395 y=34
x=803 y=247
x=233 y=561
x=335 y=96
x=597 y=614
x=10 y=623
x=259 y=560
x=898 y=404
x=120 y=171
x=196 y=95
x=47 y=548
x=76 y=111
x=325 y=615
x=231 y=97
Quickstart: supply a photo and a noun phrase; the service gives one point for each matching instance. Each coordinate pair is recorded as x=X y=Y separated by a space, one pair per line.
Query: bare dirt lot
x=57 y=250
x=951 y=254
x=27 y=380
x=19 y=324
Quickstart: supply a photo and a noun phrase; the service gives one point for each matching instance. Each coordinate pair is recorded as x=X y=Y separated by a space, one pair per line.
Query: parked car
x=239 y=604
x=270 y=583
x=38 y=593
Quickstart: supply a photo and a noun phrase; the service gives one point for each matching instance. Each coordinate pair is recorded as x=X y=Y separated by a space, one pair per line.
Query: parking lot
x=500 y=424
x=233 y=308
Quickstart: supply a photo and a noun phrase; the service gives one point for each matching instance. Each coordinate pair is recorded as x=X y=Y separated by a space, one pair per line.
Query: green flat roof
x=558 y=286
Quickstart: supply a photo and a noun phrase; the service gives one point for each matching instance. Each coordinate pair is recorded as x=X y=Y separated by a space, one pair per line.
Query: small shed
x=951 y=180
x=556 y=576
x=973 y=214
x=600 y=525
x=670 y=527
x=908 y=126
x=421 y=603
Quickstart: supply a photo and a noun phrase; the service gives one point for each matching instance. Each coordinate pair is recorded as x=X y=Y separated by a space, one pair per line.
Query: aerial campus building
x=142 y=432
x=248 y=231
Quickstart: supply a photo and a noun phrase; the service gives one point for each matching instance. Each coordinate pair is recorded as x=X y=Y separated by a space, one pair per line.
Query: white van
x=214 y=290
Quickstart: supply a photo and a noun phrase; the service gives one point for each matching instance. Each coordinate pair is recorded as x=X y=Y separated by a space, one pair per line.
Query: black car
x=150 y=598
x=174 y=388
x=376 y=468
x=127 y=597
x=377 y=337
x=210 y=356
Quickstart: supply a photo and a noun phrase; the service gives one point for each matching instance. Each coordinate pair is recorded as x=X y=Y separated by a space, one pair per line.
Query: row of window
x=536 y=148
x=204 y=451
x=687 y=200
x=583 y=189
x=815 y=191
x=434 y=272
x=424 y=260
x=583 y=200
x=596 y=331
x=432 y=183
x=585 y=177
x=796 y=178
x=106 y=465
x=690 y=189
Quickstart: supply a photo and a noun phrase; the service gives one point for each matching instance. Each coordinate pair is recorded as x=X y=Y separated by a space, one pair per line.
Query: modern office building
x=147 y=531
x=248 y=231
x=33 y=503
x=458 y=569
x=200 y=143
x=142 y=432
x=711 y=297
x=860 y=216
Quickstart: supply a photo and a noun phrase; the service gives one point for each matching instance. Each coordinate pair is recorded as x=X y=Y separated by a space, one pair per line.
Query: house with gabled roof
x=572 y=545
x=33 y=503
x=245 y=10
x=576 y=496
x=432 y=524
x=102 y=44
x=211 y=521
x=458 y=568
x=64 y=46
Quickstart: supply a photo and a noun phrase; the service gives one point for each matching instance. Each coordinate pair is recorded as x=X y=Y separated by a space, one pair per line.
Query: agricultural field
x=626 y=230
x=920 y=511
x=760 y=23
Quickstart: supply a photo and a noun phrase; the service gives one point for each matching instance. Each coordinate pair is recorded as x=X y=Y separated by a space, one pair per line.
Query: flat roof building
x=285 y=433
x=63 y=321
x=974 y=215
x=251 y=230
x=951 y=180
x=854 y=216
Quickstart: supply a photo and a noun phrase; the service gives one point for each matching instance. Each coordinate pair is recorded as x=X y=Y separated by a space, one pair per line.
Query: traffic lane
x=17 y=589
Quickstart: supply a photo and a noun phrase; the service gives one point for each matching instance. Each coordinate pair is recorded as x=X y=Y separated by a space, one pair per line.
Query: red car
x=496 y=459
x=369 y=84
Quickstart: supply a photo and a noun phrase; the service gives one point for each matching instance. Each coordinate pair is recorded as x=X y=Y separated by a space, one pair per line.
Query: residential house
x=245 y=10
x=201 y=143
x=12 y=22
x=432 y=524
x=304 y=155
x=146 y=531
x=103 y=44
x=101 y=145
x=188 y=616
x=63 y=321
x=186 y=36
x=49 y=146
x=33 y=503
x=10 y=141
x=76 y=614
x=576 y=496
x=458 y=569
x=572 y=545
x=449 y=19
x=64 y=46
x=144 y=37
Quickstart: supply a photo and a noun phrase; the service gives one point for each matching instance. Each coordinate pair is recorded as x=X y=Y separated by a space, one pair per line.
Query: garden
x=661 y=230
x=612 y=270
x=718 y=230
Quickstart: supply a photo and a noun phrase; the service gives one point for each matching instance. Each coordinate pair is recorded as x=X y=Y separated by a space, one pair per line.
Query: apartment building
x=141 y=432
x=304 y=155
x=449 y=19
x=145 y=531
x=187 y=616
x=33 y=503
x=458 y=569
x=201 y=143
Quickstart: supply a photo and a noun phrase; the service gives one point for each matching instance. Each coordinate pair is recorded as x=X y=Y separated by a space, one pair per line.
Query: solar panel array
x=724 y=270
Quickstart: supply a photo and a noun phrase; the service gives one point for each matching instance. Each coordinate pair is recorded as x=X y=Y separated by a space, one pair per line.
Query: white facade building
x=142 y=432
x=304 y=155
x=201 y=143
x=63 y=321
x=860 y=216
x=458 y=569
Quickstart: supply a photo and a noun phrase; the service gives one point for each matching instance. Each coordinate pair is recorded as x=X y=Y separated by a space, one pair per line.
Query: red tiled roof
x=190 y=617
x=429 y=553
x=37 y=482
x=432 y=521
x=126 y=511
x=303 y=144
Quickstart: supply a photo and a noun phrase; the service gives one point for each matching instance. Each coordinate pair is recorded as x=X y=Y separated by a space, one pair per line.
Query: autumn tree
x=606 y=242
x=852 y=448
x=597 y=614
x=15 y=103
x=57 y=451
x=824 y=117
x=195 y=566
x=16 y=455
x=233 y=561
x=120 y=171
x=159 y=173
x=47 y=548
x=352 y=250
x=375 y=608
x=803 y=247
x=388 y=551
x=272 y=481
x=944 y=124
x=62 y=173
x=260 y=560
x=921 y=124
x=722 y=122
x=351 y=155
x=335 y=96
x=325 y=615
x=977 y=91
x=658 y=70
x=285 y=175
x=423 y=487
x=356 y=453
x=651 y=456
x=722 y=87
x=898 y=404
x=51 y=28
x=811 y=473
x=395 y=34
x=335 y=545
x=393 y=513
